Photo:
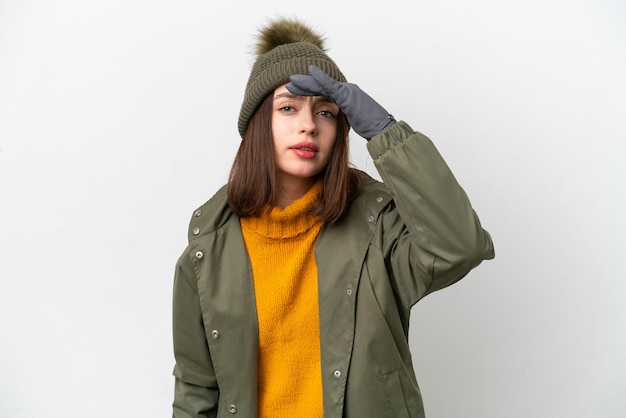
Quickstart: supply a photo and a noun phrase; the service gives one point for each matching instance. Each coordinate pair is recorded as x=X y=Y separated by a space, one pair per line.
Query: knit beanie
x=284 y=47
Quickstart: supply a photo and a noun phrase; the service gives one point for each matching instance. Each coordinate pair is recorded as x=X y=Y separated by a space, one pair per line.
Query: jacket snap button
x=215 y=334
x=199 y=255
x=379 y=199
x=196 y=231
x=349 y=292
x=337 y=373
x=232 y=409
x=198 y=213
x=371 y=218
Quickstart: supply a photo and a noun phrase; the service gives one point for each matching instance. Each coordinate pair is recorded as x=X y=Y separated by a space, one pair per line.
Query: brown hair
x=253 y=180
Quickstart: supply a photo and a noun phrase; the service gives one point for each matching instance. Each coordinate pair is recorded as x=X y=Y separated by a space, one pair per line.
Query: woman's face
x=304 y=129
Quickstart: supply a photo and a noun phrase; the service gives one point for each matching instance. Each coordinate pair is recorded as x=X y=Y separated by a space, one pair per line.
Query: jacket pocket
x=394 y=395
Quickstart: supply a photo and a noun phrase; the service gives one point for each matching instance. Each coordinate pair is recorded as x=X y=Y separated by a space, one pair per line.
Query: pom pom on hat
x=285 y=31
x=284 y=47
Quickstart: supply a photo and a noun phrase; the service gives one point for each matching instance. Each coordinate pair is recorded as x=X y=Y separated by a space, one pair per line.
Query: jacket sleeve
x=430 y=235
x=196 y=392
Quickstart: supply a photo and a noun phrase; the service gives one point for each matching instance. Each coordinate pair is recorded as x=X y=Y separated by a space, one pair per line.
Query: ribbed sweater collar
x=293 y=220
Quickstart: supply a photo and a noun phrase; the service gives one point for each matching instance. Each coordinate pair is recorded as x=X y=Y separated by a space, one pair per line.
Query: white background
x=118 y=118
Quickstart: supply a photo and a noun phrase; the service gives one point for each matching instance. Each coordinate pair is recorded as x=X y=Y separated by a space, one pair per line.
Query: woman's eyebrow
x=292 y=96
x=288 y=96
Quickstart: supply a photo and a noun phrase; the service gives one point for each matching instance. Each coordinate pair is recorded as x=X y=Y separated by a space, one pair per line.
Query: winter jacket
x=399 y=241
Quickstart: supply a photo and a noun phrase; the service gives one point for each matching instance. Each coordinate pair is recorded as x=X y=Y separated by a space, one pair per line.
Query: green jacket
x=398 y=242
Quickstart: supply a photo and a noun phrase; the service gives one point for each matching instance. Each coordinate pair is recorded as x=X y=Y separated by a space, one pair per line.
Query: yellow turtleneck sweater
x=280 y=244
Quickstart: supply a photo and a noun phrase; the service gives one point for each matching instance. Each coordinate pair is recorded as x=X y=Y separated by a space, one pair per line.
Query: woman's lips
x=305 y=149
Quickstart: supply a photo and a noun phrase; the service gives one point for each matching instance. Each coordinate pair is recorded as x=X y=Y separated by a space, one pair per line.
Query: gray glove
x=366 y=117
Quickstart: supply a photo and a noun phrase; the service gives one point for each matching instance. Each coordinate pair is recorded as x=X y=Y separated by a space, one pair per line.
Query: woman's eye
x=286 y=108
x=327 y=113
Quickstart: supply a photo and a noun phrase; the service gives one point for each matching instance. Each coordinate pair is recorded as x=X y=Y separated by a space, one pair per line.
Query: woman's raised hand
x=364 y=114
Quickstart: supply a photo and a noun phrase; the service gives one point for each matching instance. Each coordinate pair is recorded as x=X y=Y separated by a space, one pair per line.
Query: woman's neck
x=292 y=188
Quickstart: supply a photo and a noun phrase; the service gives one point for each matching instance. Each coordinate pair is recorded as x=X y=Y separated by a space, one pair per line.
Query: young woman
x=293 y=296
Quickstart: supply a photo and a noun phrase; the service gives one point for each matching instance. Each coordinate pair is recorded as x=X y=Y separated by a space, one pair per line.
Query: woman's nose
x=307 y=122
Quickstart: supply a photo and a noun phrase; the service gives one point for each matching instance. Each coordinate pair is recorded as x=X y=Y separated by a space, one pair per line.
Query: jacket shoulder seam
x=210 y=217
